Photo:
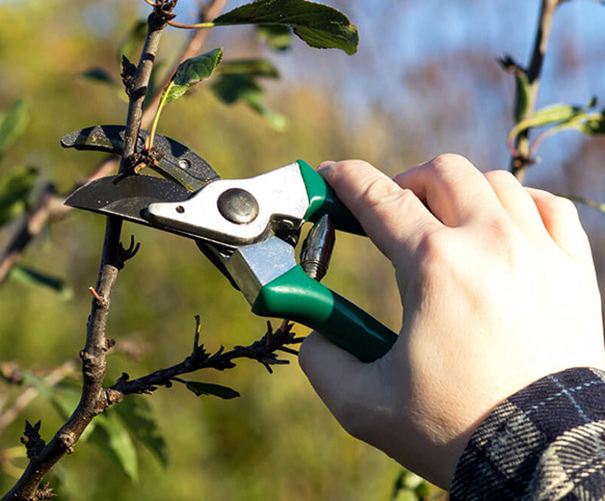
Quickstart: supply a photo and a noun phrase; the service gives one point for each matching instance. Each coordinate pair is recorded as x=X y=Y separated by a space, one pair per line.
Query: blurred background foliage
x=425 y=81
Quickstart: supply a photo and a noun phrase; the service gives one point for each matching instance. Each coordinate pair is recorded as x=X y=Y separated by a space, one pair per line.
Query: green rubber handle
x=299 y=298
x=323 y=200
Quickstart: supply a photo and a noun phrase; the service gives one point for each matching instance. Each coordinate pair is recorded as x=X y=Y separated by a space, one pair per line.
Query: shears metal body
x=247 y=227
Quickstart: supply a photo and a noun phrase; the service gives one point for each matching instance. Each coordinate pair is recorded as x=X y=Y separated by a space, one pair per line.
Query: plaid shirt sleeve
x=546 y=442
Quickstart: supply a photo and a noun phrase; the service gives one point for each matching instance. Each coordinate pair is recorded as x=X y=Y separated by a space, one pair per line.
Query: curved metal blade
x=178 y=163
x=126 y=196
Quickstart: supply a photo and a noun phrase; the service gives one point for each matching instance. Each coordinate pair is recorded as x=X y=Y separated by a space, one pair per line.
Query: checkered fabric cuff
x=546 y=442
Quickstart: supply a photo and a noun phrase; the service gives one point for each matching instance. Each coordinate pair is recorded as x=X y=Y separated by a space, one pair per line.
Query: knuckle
x=448 y=161
x=556 y=206
x=379 y=191
x=350 y=167
x=501 y=176
x=433 y=250
x=566 y=205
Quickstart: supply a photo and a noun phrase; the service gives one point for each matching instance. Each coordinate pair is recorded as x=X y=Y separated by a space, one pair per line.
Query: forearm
x=545 y=442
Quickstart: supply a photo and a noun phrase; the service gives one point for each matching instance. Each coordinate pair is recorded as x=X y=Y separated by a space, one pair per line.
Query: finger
x=351 y=389
x=453 y=189
x=394 y=218
x=560 y=218
x=516 y=201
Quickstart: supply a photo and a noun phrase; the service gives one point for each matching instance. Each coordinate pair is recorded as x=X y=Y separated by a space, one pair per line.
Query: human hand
x=498 y=289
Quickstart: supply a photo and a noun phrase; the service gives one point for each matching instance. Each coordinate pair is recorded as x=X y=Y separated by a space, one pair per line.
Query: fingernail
x=325 y=165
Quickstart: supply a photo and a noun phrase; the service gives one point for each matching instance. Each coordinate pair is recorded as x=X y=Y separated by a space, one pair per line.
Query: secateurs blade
x=248 y=228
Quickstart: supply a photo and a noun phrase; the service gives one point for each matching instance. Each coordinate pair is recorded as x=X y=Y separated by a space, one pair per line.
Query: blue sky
x=400 y=37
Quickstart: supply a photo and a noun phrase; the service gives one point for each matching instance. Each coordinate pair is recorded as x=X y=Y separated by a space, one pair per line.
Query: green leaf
x=191 y=72
x=13 y=123
x=137 y=415
x=111 y=436
x=15 y=189
x=595 y=124
x=553 y=114
x=233 y=88
x=211 y=389
x=566 y=116
x=250 y=67
x=99 y=75
x=29 y=276
x=318 y=25
x=276 y=36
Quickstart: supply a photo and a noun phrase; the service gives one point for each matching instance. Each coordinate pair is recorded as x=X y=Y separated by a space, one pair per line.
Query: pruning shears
x=248 y=228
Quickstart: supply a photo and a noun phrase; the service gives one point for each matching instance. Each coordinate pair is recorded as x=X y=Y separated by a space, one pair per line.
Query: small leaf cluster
x=560 y=117
x=238 y=81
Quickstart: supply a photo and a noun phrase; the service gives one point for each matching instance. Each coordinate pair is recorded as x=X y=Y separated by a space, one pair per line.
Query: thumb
x=352 y=390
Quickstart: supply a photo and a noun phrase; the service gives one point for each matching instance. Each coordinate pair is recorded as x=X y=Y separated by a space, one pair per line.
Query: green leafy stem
x=558 y=117
x=318 y=25
x=189 y=73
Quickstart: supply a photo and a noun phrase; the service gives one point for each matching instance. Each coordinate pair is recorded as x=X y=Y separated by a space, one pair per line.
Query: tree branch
x=51 y=209
x=191 y=48
x=264 y=351
x=93 y=400
x=520 y=162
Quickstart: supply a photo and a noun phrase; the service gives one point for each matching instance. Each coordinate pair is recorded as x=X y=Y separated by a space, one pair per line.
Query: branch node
x=196 y=337
x=128 y=74
x=100 y=300
x=67 y=442
x=126 y=254
x=109 y=343
x=161 y=14
x=46 y=492
x=32 y=440
x=509 y=65
x=113 y=396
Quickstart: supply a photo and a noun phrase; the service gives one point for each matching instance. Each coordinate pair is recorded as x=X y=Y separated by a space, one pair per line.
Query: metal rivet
x=180 y=209
x=238 y=206
x=184 y=164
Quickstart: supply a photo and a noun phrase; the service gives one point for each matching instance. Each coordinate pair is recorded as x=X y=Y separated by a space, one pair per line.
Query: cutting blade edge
x=129 y=197
x=126 y=196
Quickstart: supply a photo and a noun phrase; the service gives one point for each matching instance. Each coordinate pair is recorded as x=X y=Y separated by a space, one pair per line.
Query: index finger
x=390 y=215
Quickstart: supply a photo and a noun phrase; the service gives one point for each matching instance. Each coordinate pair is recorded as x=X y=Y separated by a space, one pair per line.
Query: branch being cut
x=51 y=208
x=93 y=400
x=520 y=162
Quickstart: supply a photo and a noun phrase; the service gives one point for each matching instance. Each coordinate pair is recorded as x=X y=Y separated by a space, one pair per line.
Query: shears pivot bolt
x=238 y=206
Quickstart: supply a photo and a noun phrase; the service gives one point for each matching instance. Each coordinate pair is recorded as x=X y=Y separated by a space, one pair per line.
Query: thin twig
x=264 y=351
x=191 y=48
x=520 y=163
